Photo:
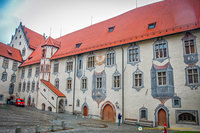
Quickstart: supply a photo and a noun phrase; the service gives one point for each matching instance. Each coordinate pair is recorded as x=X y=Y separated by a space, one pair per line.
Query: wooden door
x=108 y=114
x=162 y=117
x=29 y=101
x=85 y=111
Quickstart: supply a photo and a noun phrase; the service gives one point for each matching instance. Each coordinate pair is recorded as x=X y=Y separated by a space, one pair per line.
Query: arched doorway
x=108 y=113
x=85 y=111
x=61 y=106
x=162 y=117
x=49 y=108
x=29 y=101
x=43 y=107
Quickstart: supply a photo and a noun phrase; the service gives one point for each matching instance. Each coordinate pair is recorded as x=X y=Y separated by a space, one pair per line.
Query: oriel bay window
x=162 y=78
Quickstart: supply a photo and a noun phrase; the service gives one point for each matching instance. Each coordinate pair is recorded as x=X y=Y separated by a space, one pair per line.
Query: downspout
x=122 y=84
x=74 y=84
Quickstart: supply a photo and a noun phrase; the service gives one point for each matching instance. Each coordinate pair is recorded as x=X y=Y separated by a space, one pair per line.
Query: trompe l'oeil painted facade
x=152 y=78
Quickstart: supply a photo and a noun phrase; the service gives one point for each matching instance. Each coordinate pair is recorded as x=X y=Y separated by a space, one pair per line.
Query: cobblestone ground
x=28 y=118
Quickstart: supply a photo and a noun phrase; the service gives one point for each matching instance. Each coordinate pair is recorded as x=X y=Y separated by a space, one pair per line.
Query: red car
x=19 y=102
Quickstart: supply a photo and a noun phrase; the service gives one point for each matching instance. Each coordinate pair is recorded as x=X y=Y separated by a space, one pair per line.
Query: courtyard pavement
x=28 y=118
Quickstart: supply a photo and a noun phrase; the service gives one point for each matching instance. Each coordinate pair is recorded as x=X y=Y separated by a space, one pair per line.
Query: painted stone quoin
x=147 y=68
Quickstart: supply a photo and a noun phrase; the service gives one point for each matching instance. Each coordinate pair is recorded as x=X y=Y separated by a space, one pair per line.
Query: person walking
x=119 y=119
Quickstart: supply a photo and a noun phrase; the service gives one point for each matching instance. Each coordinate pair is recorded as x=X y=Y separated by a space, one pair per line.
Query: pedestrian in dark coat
x=119 y=119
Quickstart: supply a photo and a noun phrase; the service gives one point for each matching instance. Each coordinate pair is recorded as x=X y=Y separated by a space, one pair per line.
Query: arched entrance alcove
x=85 y=109
x=161 y=116
x=108 y=112
x=49 y=109
x=43 y=107
x=61 y=108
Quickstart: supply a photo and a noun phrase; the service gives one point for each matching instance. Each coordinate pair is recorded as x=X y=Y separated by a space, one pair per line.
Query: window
x=161 y=50
x=176 y=102
x=189 y=47
x=116 y=81
x=5 y=63
x=65 y=102
x=4 y=76
x=28 y=86
x=11 y=88
x=84 y=83
x=37 y=70
x=69 y=66
x=56 y=67
x=43 y=53
x=133 y=54
x=187 y=117
x=99 y=82
x=42 y=68
x=69 y=84
x=47 y=68
x=33 y=86
x=1 y=97
x=16 y=38
x=23 y=73
x=29 y=71
x=20 y=86
x=37 y=85
x=24 y=87
x=192 y=76
x=80 y=64
x=90 y=61
x=78 y=103
x=14 y=68
x=57 y=83
x=78 y=45
x=162 y=78
x=138 y=79
x=20 y=42
x=20 y=36
x=23 y=51
x=110 y=58
x=111 y=29
x=143 y=113
x=13 y=78
x=152 y=25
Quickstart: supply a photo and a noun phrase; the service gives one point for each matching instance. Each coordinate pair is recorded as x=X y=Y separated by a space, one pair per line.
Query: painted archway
x=85 y=109
x=108 y=112
x=161 y=115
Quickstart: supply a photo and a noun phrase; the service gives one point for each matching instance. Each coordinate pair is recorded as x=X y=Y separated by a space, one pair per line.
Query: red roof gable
x=51 y=87
x=10 y=52
x=35 y=39
x=170 y=16
x=51 y=42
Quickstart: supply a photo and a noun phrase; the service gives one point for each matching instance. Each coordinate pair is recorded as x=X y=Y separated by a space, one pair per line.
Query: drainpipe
x=74 y=84
x=122 y=84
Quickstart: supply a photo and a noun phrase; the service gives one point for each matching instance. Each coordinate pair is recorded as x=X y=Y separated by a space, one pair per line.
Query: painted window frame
x=138 y=71
x=99 y=82
x=20 y=87
x=13 y=78
x=86 y=84
x=146 y=113
x=11 y=88
x=29 y=72
x=23 y=52
x=194 y=85
x=174 y=103
x=56 y=64
x=159 y=42
x=37 y=70
x=24 y=86
x=14 y=67
x=4 y=76
x=28 y=86
x=116 y=73
x=23 y=73
x=57 y=83
x=193 y=112
x=91 y=60
x=110 y=58
x=33 y=86
x=130 y=56
x=69 y=66
x=69 y=80
x=5 y=63
x=166 y=77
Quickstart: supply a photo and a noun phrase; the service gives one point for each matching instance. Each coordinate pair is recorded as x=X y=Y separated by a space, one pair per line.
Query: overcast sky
x=59 y=17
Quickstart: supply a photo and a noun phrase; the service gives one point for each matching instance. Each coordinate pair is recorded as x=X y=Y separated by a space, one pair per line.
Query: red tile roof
x=10 y=52
x=35 y=39
x=51 y=87
x=51 y=42
x=171 y=16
